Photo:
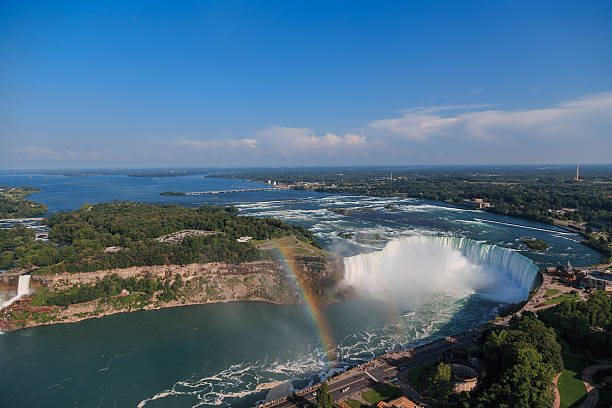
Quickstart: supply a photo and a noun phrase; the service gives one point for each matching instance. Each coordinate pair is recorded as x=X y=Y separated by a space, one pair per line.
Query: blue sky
x=157 y=84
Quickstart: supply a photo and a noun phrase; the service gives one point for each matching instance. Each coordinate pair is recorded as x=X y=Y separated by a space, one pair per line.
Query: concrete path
x=557 y=401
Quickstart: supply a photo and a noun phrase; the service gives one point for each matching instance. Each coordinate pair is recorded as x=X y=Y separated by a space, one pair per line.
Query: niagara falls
x=408 y=270
x=420 y=271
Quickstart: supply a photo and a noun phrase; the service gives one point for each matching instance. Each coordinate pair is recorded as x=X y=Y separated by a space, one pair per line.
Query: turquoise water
x=216 y=355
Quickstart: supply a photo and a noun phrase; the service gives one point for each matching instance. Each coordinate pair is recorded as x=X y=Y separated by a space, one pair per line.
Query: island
x=119 y=257
x=14 y=205
x=535 y=244
x=173 y=193
x=348 y=210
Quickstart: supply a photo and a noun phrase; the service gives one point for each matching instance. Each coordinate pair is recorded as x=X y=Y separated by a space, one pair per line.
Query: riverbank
x=156 y=287
x=93 y=310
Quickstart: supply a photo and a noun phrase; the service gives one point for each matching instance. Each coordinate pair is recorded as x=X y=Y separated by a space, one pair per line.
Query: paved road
x=359 y=381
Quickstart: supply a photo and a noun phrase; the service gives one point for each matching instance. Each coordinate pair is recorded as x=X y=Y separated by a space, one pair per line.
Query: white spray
x=23 y=289
x=410 y=269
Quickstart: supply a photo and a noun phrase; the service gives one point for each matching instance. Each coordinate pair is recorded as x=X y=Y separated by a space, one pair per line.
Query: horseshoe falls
x=411 y=269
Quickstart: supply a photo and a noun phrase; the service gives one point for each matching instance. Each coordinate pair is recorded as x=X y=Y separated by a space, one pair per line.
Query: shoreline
x=152 y=308
x=198 y=284
x=206 y=283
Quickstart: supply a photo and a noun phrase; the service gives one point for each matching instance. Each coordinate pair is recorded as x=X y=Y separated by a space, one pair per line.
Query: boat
x=408 y=313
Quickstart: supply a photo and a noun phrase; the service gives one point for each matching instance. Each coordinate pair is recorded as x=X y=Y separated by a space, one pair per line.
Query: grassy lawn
x=561 y=298
x=40 y=296
x=571 y=387
x=551 y=292
x=382 y=393
x=355 y=404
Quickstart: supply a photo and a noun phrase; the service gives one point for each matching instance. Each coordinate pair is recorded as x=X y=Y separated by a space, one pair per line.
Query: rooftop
x=401 y=402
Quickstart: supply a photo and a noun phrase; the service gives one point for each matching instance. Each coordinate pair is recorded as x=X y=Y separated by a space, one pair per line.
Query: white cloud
x=249 y=143
x=577 y=130
x=439 y=134
x=300 y=141
x=46 y=153
x=563 y=121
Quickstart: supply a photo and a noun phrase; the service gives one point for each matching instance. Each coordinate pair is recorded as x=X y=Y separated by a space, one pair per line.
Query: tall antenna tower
x=577 y=178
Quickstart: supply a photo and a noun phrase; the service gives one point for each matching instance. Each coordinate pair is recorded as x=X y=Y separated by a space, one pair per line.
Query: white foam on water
x=430 y=208
x=527 y=227
x=241 y=380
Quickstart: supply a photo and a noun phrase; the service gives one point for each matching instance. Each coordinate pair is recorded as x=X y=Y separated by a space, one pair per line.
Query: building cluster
x=595 y=279
x=476 y=203
x=562 y=211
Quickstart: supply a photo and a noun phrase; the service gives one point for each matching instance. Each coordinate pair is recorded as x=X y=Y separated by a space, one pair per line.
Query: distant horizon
x=374 y=166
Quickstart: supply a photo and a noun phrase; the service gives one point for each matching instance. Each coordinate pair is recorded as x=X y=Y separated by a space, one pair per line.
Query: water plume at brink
x=410 y=269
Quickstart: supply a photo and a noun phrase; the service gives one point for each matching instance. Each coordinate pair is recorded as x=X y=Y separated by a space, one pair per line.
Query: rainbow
x=314 y=308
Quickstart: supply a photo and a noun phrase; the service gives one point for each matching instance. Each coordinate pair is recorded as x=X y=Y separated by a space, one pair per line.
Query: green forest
x=522 y=360
x=78 y=240
x=14 y=205
x=109 y=286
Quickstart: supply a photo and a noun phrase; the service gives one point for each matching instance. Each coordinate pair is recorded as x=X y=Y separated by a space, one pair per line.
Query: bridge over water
x=238 y=190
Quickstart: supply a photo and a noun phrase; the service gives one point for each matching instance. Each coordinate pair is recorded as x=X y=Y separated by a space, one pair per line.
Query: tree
x=324 y=398
x=441 y=381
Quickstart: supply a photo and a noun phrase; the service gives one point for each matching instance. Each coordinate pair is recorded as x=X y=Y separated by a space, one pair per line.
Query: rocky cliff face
x=267 y=281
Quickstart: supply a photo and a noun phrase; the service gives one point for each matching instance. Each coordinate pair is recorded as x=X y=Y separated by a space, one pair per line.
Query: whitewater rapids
x=408 y=270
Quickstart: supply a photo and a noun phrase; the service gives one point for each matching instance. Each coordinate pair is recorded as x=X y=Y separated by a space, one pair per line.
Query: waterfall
x=23 y=287
x=522 y=269
x=416 y=266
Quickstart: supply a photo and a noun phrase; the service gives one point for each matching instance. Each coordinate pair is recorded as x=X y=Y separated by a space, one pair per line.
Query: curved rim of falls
x=520 y=268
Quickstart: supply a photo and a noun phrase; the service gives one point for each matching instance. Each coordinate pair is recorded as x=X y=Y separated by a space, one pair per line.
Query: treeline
x=10 y=239
x=521 y=362
x=600 y=243
x=584 y=325
x=14 y=205
x=515 y=191
x=78 y=239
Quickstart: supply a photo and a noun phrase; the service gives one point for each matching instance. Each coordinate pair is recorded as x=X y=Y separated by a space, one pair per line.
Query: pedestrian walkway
x=557 y=401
